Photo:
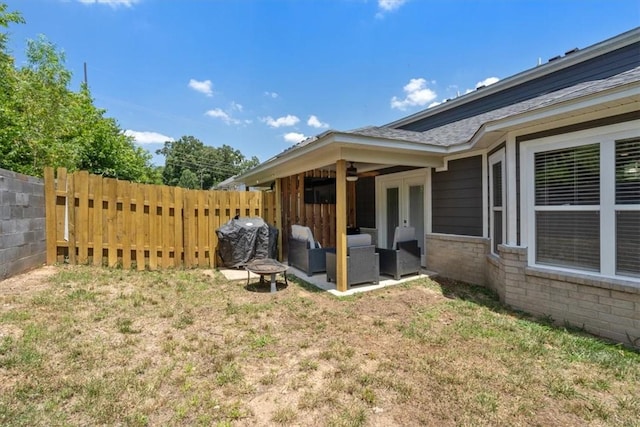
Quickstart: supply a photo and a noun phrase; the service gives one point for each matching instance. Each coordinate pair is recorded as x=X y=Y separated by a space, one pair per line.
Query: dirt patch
x=27 y=283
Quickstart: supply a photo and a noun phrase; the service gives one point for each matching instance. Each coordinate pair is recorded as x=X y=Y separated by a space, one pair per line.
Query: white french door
x=401 y=201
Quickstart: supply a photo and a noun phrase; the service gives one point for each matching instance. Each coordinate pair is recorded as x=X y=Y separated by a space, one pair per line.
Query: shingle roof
x=462 y=131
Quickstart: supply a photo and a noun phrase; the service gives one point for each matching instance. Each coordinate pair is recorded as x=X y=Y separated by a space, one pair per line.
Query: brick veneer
x=458 y=257
x=609 y=308
x=606 y=307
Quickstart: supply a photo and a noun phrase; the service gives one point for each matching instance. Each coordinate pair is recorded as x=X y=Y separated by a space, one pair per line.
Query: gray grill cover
x=244 y=239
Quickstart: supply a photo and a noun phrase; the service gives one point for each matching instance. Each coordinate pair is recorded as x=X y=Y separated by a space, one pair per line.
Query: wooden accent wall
x=321 y=218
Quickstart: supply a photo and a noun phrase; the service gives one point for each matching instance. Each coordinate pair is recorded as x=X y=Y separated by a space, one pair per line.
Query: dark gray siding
x=601 y=67
x=456 y=198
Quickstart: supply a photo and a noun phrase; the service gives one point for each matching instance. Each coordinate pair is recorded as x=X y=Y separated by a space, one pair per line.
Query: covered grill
x=244 y=239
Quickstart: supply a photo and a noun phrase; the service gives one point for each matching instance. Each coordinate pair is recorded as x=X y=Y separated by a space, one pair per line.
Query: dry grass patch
x=86 y=346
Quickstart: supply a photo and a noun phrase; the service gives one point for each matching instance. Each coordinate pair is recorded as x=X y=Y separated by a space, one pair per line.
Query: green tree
x=210 y=165
x=44 y=123
x=7 y=83
x=188 y=179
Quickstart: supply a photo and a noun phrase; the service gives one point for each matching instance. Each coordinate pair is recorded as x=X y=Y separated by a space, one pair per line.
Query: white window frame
x=498 y=156
x=605 y=137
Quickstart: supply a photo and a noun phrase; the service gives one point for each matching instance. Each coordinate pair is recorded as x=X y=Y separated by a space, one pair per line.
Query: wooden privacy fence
x=105 y=221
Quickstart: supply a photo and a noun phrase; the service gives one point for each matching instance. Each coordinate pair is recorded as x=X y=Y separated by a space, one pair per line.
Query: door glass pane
x=393 y=213
x=416 y=212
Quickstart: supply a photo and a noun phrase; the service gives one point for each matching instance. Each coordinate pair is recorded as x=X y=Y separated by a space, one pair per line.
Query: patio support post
x=341 y=225
x=278 y=219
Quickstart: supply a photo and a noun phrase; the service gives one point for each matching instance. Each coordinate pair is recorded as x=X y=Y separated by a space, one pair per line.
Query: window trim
x=497 y=157
x=605 y=137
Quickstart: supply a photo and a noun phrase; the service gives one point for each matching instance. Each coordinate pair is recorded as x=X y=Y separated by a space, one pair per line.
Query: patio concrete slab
x=237 y=274
x=320 y=280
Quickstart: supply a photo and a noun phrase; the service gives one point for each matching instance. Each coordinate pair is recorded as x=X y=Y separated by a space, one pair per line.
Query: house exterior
x=530 y=186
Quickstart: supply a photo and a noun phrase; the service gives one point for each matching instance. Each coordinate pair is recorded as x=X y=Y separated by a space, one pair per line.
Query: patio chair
x=305 y=252
x=362 y=261
x=403 y=257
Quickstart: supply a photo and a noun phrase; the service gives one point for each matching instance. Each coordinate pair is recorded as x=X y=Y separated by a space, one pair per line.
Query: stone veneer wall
x=461 y=258
x=22 y=223
x=605 y=307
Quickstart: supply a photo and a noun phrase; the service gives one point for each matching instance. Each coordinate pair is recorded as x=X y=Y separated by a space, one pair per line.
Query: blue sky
x=260 y=75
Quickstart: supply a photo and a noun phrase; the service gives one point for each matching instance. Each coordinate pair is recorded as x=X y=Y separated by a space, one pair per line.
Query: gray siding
x=456 y=198
x=22 y=223
x=601 y=67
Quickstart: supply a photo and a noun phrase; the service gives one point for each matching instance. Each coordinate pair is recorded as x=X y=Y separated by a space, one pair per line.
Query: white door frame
x=402 y=180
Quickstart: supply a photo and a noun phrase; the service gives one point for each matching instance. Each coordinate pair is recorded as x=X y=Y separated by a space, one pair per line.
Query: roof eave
x=614 y=43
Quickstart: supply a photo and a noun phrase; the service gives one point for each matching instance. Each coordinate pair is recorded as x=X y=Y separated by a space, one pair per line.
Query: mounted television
x=319 y=190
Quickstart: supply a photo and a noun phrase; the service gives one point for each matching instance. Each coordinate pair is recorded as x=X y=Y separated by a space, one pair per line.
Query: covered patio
x=345 y=158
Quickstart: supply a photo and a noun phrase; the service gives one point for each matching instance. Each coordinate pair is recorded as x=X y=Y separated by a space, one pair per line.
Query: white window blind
x=568 y=177
x=567 y=199
x=497 y=205
x=628 y=207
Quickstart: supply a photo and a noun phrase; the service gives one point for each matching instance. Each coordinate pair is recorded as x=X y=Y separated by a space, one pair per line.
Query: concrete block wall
x=22 y=223
x=608 y=308
x=458 y=257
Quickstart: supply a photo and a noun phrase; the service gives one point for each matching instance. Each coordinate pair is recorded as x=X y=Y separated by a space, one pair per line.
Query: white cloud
x=434 y=104
x=294 y=137
x=287 y=120
x=112 y=3
x=390 y=5
x=202 y=87
x=417 y=94
x=385 y=6
x=488 y=81
x=237 y=107
x=147 y=137
x=271 y=94
x=218 y=113
x=314 y=122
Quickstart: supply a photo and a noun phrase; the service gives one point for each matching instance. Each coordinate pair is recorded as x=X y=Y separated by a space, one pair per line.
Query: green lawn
x=87 y=346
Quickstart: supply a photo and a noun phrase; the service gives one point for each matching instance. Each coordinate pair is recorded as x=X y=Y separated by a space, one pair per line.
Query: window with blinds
x=628 y=207
x=567 y=199
x=568 y=177
x=497 y=205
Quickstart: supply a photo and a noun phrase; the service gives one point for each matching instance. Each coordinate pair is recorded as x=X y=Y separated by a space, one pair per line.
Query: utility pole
x=86 y=83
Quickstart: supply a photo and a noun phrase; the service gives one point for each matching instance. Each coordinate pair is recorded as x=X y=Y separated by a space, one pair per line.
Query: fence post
x=112 y=216
x=95 y=186
x=50 y=215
